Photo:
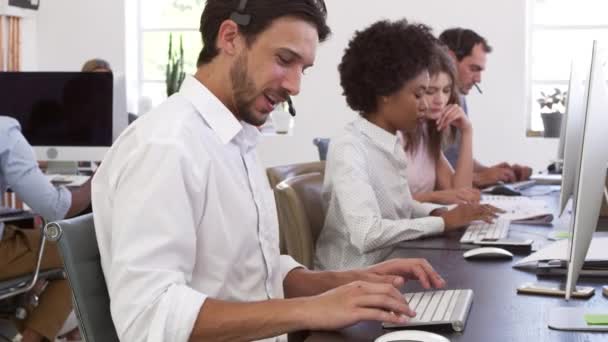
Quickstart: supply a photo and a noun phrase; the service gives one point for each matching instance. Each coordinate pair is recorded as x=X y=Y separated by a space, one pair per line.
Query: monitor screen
x=60 y=109
x=589 y=185
x=572 y=134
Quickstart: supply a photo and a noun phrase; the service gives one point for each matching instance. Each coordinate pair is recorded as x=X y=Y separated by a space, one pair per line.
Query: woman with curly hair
x=430 y=176
x=384 y=75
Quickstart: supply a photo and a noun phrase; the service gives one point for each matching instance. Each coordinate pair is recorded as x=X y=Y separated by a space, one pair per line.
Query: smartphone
x=555 y=290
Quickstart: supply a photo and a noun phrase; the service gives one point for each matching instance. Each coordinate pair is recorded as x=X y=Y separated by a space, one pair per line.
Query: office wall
x=499 y=115
x=70 y=32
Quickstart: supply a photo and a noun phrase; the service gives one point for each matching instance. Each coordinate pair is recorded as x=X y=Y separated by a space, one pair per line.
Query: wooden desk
x=498 y=313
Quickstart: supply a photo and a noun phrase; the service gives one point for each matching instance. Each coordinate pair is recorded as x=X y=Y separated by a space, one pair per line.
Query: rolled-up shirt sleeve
x=153 y=246
x=423 y=209
x=287 y=263
x=24 y=177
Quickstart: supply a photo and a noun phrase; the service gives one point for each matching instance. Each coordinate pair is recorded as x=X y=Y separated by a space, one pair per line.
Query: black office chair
x=78 y=248
x=322 y=145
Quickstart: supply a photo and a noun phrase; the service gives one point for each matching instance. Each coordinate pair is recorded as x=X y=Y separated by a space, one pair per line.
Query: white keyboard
x=443 y=307
x=523 y=185
x=517 y=186
x=486 y=231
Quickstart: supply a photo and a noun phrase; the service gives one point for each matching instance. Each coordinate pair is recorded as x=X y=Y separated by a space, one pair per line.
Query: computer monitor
x=590 y=183
x=66 y=116
x=572 y=133
x=588 y=193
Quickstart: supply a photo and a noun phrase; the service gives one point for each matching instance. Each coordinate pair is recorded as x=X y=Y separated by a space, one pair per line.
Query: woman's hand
x=453 y=115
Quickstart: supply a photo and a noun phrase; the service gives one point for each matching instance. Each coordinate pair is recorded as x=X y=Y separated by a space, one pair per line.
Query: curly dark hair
x=380 y=59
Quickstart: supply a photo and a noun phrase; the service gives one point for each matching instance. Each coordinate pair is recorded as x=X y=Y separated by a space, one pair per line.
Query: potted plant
x=552 y=116
x=175 y=67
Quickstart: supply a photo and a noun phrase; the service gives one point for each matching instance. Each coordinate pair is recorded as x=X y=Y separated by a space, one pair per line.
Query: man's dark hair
x=462 y=41
x=260 y=14
x=380 y=59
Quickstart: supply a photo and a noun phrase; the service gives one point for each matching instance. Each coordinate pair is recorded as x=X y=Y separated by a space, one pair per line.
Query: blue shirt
x=452 y=152
x=19 y=171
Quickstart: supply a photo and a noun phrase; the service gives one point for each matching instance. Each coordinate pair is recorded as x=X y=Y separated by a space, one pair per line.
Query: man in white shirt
x=185 y=218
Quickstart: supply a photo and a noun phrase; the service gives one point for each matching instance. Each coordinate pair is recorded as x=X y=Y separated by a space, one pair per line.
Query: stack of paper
x=521 y=209
x=597 y=255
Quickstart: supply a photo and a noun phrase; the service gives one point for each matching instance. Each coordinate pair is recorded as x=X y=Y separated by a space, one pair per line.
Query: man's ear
x=228 y=38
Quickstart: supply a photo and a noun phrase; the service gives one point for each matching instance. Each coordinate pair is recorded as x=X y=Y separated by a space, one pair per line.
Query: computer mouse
x=411 y=336
x=504 y=190
x=488 y=253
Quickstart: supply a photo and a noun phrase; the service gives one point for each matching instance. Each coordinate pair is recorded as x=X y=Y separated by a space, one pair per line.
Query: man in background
x=469 y=51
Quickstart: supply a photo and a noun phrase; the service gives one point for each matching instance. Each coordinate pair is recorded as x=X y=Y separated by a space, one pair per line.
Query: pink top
x=421 y=169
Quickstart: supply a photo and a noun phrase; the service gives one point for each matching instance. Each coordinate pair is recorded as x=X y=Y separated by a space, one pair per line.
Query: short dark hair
x=461 y=41
x=262 y=14
x=380 y=59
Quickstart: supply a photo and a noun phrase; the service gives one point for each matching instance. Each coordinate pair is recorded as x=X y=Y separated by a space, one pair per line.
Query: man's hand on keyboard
x=399 y=271
x=355 y=302
x=493 y=175
x=464 y=214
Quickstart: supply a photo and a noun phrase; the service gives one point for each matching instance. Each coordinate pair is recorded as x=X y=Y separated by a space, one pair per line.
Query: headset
x=239 y=16
x=460 y=53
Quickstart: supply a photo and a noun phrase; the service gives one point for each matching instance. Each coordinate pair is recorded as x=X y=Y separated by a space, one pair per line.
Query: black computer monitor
x=63 y=115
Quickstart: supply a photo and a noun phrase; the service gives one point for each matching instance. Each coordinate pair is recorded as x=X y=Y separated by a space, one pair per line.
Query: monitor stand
x=62 y=168
x=573 y=319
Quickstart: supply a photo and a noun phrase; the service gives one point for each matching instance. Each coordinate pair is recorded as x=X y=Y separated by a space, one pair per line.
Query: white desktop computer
x=588 y=190
x=571 y=122
x=572 y=135
x=66 y=116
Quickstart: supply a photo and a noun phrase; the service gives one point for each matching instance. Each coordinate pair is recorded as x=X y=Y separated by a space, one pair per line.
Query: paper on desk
x=598 y=251
x=521 y=209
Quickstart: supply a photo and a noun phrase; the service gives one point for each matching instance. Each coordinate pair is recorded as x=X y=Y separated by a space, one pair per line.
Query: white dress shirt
x=369 y=204
x=183 y=211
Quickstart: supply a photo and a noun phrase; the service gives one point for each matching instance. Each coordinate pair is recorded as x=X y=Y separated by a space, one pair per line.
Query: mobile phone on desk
x=555 y=290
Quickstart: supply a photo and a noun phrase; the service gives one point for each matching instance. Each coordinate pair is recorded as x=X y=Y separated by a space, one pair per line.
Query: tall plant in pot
x=553 y=107
x=175 y=67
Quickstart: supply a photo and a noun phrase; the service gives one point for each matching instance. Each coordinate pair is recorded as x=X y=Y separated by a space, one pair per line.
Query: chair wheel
x=21 y=313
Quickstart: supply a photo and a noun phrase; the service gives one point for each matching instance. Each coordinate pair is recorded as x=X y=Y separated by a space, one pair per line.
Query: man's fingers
x=377 y=288
x=386 y=303
x=365 y=314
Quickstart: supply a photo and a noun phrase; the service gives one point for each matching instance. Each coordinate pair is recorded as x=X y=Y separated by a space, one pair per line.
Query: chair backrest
x=277 y=174
x=301 y=215
x=322 y=145
x=78 y=248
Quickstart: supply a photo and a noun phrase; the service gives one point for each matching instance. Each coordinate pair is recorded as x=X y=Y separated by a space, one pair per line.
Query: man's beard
x=244 y=92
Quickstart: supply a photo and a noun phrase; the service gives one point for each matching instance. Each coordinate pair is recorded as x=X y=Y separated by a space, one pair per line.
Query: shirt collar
x=248 y=137
x=383 y=139
x=214 y=112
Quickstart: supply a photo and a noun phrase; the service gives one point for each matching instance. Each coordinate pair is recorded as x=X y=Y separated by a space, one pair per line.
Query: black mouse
x=504 y=190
